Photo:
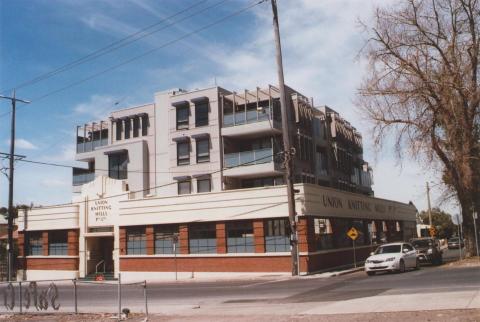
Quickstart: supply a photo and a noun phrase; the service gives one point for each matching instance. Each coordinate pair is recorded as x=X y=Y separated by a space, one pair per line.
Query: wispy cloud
x=23 y=144
x=97 y=107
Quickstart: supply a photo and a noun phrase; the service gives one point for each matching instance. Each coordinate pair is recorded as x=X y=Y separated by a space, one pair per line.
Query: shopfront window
x=202 y=238
x=240 y=237
x=58 y=243
x=277 y=235
x=136 y=241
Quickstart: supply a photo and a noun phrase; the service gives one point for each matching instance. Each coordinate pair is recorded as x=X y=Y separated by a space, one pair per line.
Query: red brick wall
x=259 y=236
x=123 y=240
x=21 y=244
x=45 y=243
x=73 y=242
x=183 y=238
x=51 y=263
x=150 y=240
x=221 y=238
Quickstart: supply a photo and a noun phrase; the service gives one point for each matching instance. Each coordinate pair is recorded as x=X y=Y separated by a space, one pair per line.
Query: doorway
x=100 y=255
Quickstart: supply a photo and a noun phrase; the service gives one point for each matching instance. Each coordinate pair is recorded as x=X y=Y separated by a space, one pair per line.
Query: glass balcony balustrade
x=82 y=178
x=88 y=146
x=246 y=117
x=251 y=157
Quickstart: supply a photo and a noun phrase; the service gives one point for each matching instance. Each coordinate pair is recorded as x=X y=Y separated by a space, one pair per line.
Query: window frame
x=168 y=234
x=136 y=127
x=184 y=160
x=182 y=124
x=58 y=246
x=205 y=157
x=36 y=236
x=204 y=107
x=243 y=244
x=203 y=180
x=118 y=170
x=137 y=246
x=197 y=243
x=277 y=237
x=179 y=183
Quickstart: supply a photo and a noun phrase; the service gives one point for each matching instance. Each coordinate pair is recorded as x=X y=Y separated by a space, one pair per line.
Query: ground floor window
x=202 y=238
x=35 y=243
x=323 y=233
x=58 y=242
x=277 y=235
x=136 y=241
x=166 y=239
x=240 y=237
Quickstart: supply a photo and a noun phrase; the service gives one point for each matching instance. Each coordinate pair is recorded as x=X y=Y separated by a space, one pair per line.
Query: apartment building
x=195 y=182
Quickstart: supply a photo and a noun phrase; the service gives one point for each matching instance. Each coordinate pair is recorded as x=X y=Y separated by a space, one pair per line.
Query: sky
x=321 y=41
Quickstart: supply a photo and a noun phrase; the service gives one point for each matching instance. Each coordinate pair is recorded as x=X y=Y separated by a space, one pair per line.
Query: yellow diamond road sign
x=352 y=233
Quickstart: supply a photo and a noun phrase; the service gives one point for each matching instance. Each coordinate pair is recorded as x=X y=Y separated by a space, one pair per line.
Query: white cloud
x=55 y=183
x=23 y=144
x=97 y=107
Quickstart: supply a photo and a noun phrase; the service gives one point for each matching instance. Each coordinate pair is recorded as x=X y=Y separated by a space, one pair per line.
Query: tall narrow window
x=183 y=153
x=240 y=237
x=182 y=117
x=202 y=238
x=184 y=187
x=203 y=150
x=118 y=165
x=58 y=242
x=145 y=124
x=204 y=185
x=136 y=126
x=128 y=127
x=35 y=243
x=201 y=114
x=277 y=235
x=166 y=239
x=119 y=129
x=136 y=241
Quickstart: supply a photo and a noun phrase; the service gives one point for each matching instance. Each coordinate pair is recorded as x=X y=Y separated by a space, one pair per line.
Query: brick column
x=45 y=243
x=123 y=240
x=21 y=244
x=183 y=239
x=259 y=236
x=221 y=238
x=72 y=242
x=306 y=238
x=150 y=240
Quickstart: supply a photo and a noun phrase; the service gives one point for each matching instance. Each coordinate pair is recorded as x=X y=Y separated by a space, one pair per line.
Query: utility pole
x=286 y=145
x=11 y=211
x=429 y=207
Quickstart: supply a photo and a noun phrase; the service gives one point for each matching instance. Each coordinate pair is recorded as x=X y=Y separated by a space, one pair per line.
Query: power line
x=104 y=50
x=171 y=42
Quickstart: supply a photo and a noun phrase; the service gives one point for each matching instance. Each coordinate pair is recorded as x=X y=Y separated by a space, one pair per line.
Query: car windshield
x=454 y=240
x=422 y=243
x=388 y=249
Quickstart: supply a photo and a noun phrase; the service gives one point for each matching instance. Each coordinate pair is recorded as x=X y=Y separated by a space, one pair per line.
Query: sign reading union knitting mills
x=99 y=212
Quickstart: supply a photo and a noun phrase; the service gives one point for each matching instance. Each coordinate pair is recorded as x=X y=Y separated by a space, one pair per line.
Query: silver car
x=392 y=257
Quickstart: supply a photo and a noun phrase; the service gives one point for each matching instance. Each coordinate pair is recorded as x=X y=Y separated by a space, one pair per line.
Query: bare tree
x=422 y=87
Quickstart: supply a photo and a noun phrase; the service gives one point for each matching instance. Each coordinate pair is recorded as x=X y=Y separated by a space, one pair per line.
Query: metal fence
x=73 y=296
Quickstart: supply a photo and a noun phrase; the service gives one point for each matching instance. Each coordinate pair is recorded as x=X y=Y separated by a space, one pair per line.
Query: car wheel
x=417 y=265
x=401 y=266
x=370 y=273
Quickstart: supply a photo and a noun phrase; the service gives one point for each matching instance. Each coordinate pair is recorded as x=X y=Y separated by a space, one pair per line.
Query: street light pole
x=286 y=145
x=11 y=211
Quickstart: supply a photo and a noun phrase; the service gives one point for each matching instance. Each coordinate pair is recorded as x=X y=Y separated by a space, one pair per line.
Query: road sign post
x=353 y=234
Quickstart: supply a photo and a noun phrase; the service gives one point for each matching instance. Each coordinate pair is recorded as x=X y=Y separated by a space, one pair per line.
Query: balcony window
x=182 y=117
x=184 y=187
x=204 y=185
x=201 y=114
x=203 y=150
x=136 y=126
x=35 y=243
x=277 y=235
x=58 y=243
x=136 y=241
x=240 y=237
x=183 y=153
x=118 y=165
x=202 y=238
x=166 y=239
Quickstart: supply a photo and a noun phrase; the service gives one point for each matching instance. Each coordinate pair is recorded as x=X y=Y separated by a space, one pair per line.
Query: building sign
x=101 y=210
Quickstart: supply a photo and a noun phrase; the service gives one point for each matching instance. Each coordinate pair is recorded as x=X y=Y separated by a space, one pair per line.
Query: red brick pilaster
x=21 y=243
x=183 y=238
x=123 y=240
x=72 y=242
x=45 y=243
x=259 y=236
x=306 y=238
x=221 y=238
x=150 y=235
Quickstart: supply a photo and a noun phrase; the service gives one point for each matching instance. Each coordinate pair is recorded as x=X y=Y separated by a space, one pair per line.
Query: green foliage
x=442 y=222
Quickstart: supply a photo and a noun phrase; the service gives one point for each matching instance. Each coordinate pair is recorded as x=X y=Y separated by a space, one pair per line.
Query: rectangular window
x=323 y=233
x=136 y=241
x=58 y=243
x=204 y=185
x=201 y=114
x=240 y=237
x=184 y=187
x=118 y=165
x=119 y=129
x=182 y=117
x=203 y=150
x=136 y=126
x=183 y=153
x=128 y=126
x=277 y=235
x=202 y=238
x=145 y=124
x=35 y=243
x=166 y=239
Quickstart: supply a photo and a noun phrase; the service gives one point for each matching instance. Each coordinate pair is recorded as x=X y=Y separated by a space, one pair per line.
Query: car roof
x=391 y=244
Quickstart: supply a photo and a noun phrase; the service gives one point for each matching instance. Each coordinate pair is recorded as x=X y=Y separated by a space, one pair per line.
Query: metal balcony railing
x=248 y=157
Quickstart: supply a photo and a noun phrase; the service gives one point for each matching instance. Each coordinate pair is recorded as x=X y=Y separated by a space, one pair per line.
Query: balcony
x=79 y=179
x=250 y=163
x=88 y=146
x=251 y=122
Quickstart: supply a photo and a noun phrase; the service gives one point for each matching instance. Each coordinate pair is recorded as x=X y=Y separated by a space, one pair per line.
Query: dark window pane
x=240 y=237
x=182 y=117
x=184 y=187
x=118 y=165
x=136 y=126
x=202 y=238
x=128 y=126
x=203 y=150
x=119 y=129
x=203 y=185
x=145 y=124
x=136 y=241
x=183 y=153
x=58 y=243
x=166 y=239
x=277 y=235
x=201 y=114
x=35 y=243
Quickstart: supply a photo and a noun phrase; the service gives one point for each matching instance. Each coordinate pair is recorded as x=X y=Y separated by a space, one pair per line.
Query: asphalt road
x=272 y=293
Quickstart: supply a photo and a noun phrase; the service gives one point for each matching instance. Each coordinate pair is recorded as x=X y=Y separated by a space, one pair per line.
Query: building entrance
x=100 y=255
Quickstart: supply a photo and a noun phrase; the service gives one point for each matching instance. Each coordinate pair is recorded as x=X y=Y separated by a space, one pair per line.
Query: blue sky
x=321 y=41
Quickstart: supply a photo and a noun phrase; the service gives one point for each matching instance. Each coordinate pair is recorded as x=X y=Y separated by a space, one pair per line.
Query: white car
x=392 y=257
